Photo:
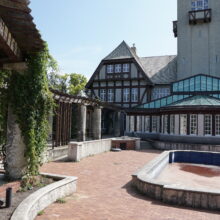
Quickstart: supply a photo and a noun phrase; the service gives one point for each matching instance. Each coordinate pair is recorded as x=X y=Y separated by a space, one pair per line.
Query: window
x=193 y=124
x=110 y=68
x=172 y=124
x=110 y=95
x=199 y=5
x=126 y=68
x=147 y=123
x=217 y=125
x=134 y=95
x=198 y=83
x=165 y=124
x=183 y=124
x=160 y=92
x=154 y=124
x=208 y=125
x=103 y=94
x=126 y=95
x=118 y=68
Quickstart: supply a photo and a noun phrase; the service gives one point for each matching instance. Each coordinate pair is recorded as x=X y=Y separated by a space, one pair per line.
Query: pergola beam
x=18 y=5
x=22 y=66
x=8 y=44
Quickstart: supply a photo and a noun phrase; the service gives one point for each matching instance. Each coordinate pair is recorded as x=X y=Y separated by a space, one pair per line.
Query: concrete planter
x=39 y=200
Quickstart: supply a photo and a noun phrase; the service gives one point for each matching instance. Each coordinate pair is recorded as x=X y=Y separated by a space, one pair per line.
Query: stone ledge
x=39 y=200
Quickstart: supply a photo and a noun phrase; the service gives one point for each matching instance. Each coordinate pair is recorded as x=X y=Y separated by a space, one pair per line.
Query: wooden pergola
x=63 y=113
x=18 y=33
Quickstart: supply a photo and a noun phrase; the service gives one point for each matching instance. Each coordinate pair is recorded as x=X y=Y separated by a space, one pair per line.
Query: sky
x=80 y=33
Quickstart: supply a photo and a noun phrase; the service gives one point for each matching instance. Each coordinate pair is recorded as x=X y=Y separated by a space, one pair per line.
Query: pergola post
x=117 y=117
x=97 y=123
x=82 y=112
x=16 y=162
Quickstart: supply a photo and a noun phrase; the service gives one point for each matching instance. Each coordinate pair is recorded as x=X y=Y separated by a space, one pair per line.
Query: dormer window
x=199 y=5
x=110 y=68
x=126 y=68
x=118 y=68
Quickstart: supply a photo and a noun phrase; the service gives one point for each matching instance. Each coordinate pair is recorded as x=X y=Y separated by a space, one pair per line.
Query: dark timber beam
x=8 y=43
x=17 y=5
x=15 y=66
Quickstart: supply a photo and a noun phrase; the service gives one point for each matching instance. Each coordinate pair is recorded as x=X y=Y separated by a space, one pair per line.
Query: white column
x=131 y=123
x=177 y=124
x=138 y=123
x=201 y=125
x=127 y=123
x=97 y=123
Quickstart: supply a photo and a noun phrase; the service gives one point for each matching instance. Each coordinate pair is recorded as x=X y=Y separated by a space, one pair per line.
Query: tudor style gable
x=120 y=78
x=125 y=79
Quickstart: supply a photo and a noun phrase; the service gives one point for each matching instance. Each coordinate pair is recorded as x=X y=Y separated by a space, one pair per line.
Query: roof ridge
x=123 y=43
x=159 y=56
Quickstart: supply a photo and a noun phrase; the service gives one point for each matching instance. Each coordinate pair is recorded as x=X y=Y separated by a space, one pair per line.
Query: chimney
x=134 y=49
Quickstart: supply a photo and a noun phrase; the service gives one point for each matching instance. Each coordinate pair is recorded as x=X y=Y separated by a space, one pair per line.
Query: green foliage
x=31 y=102
x=59 y=82
x=71 y=83
x=40 y=213
x=4 y=78
x=61 y=201
x=77 y=83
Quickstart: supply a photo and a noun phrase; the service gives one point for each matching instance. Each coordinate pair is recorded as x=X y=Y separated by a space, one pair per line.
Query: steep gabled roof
x=123 y=51
x=158 y=69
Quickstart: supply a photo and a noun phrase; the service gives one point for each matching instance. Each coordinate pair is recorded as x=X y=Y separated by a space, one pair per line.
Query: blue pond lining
x=205 y=158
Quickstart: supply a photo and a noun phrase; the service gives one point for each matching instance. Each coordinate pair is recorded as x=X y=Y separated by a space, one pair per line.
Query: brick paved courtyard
x=104 y=192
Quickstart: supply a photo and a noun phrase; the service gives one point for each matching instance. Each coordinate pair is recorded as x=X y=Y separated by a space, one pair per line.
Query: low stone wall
x=184 y=146
x=144 y=181
x=53 y=154
x=39 y=200
x=179 y=142
x=80 y=150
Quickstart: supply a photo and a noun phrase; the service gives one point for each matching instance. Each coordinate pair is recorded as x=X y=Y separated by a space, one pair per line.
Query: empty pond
x=191 y=175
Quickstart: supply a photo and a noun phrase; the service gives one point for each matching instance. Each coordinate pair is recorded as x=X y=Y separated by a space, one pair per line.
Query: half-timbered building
x=127 y=80
x=170 y=100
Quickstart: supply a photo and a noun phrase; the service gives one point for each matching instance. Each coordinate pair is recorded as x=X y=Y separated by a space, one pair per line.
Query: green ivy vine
x=31 y=101
x=4 y=78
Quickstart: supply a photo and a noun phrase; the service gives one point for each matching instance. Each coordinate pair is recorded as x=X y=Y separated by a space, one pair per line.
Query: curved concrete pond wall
x=39 y=200
x=144 y=180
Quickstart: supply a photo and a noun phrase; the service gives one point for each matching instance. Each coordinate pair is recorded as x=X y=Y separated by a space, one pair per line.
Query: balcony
x=200 y=16
x=175 y=28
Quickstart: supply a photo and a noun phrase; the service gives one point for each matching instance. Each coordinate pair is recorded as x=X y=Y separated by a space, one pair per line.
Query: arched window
x=199 y=5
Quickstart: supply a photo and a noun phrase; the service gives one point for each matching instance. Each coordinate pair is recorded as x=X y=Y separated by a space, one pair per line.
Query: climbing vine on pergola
x=31 y=101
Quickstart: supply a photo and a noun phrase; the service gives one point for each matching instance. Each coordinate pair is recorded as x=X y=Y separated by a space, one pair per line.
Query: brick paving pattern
x=104 y=192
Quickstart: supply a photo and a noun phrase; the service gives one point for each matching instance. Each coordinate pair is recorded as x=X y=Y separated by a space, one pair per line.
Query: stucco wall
x=198 y=45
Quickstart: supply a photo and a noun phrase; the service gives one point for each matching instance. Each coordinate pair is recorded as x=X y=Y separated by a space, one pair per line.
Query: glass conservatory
x=192 y=109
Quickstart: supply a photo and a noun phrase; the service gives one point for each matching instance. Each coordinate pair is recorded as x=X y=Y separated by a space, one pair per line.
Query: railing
x=200 y=16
